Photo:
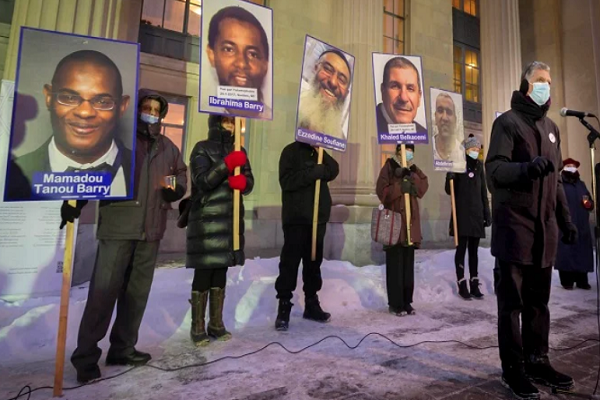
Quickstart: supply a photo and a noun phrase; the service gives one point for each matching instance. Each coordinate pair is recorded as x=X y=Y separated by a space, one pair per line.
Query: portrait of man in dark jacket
x=129 y=233
x=529 y=207
x=298 y=174
x=85 y=100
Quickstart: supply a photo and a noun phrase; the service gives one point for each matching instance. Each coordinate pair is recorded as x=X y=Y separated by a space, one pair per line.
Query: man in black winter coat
x=529 y=206
x=298 y=174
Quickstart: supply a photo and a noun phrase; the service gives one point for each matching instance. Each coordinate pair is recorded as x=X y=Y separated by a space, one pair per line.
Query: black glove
x=450 y=176
x=401 y=172
x=169 y=195
x=569 y=233
x=539 y=167
x=318 y=172
x=406 y=186
x=487 y=222
x=414 y=168
x=70 y=214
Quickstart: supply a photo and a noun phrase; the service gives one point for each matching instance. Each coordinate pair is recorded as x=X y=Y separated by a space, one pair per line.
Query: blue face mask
x=540 y=93
x=149 y=119
x=409 y=156
x=474 y=155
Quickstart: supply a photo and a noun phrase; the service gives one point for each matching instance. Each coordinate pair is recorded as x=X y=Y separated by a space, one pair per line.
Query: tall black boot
x=198 y=328
x=313 y=310
x=282 y=322
x=216 y=328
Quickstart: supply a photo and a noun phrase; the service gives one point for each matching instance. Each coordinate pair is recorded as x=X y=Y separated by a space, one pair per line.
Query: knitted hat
x=472 y=141
x=571 y=161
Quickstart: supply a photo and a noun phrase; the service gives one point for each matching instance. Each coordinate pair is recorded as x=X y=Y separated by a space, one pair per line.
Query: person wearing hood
x=129 y=233
x=472 y=217
x=529 y=207
x=210 y=224
x=393 y=182
x=575 y=261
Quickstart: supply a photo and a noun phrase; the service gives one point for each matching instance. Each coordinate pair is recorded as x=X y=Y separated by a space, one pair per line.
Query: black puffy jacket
x=210 y=224
x=296 y=166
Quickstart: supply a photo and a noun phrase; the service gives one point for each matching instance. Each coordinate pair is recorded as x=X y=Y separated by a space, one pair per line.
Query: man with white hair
x=321 y=106
x=529 y=207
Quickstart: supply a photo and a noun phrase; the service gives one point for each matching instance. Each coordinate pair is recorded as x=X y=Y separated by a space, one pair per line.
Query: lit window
x=393 y=26
x=173 y=126
x=467 y=73
x=467 y=6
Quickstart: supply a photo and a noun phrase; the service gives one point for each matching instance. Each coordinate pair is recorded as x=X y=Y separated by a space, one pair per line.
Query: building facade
x=475 y=47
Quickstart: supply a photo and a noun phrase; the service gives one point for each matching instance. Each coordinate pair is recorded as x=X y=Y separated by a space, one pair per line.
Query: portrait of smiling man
x=401 y=94
x=238 y=51
x=86 y=102
x=322 y=100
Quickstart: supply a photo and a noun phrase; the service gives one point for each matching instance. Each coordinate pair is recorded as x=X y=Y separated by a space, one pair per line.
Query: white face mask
x=474 y=155
x=540 y=93
x=570 y=169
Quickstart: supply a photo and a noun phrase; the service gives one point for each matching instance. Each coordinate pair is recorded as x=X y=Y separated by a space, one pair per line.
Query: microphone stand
x=591 y=137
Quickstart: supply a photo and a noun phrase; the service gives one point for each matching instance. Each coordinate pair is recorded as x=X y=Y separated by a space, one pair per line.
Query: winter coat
x=471 y=199
x=296 y=168
x=578 y=257
x=525 y=211
x=210 y=223
x=390 y=194
x=145 y=217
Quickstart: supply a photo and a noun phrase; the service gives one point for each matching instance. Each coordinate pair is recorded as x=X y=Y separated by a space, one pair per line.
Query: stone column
x=113 y=19
x=358 y=31
x=500 y=58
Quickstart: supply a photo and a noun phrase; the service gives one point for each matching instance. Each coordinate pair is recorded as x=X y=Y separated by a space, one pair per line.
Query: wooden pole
x=236 y=193
x=454 y=222
x=406 y=199
x=313 y=254
x=63 y=316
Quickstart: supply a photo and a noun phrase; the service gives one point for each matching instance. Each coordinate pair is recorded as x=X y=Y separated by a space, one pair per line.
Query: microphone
x=565 y=112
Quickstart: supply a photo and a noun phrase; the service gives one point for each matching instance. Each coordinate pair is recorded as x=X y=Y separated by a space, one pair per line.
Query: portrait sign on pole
x=325 y=95
x=448 y=131
x=74 y=118
x=399 y=99
x=236 y=59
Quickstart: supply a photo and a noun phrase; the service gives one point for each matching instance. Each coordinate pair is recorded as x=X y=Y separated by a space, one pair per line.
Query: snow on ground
x=357 y=299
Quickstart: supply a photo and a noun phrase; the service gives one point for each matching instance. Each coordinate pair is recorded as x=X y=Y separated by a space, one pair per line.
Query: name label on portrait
x=320 y=140
x=67 y=185
x=403 y=138
x=237 y=93
x=245 y=105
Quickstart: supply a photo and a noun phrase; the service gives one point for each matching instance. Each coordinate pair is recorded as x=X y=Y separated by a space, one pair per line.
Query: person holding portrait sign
x=305 y=170
x=400 y=112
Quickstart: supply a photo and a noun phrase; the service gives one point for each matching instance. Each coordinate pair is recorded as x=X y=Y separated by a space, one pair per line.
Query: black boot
x=89 y=374
x=463 y=290
x=198 y=328
x=282 y=322
x=515 y=380
x=539 y=370
x=474 y=285
x=215 y=327
x=313 y=310
x=137 y=358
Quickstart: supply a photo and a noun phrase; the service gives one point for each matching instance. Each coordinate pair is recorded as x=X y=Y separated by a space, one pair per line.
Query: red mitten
x=235 y=159
x=588 y=204
x=237 y=182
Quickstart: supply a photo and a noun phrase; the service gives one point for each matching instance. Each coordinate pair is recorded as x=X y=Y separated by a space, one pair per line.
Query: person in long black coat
x=574 y=261
x=528 y=208
x=472 y=216
x=210 y=224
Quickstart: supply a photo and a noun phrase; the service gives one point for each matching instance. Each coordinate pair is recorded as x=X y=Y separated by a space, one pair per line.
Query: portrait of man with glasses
x=85 y=100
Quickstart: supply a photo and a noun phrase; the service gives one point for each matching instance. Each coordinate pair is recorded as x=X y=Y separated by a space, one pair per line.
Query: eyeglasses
x=100 y=103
